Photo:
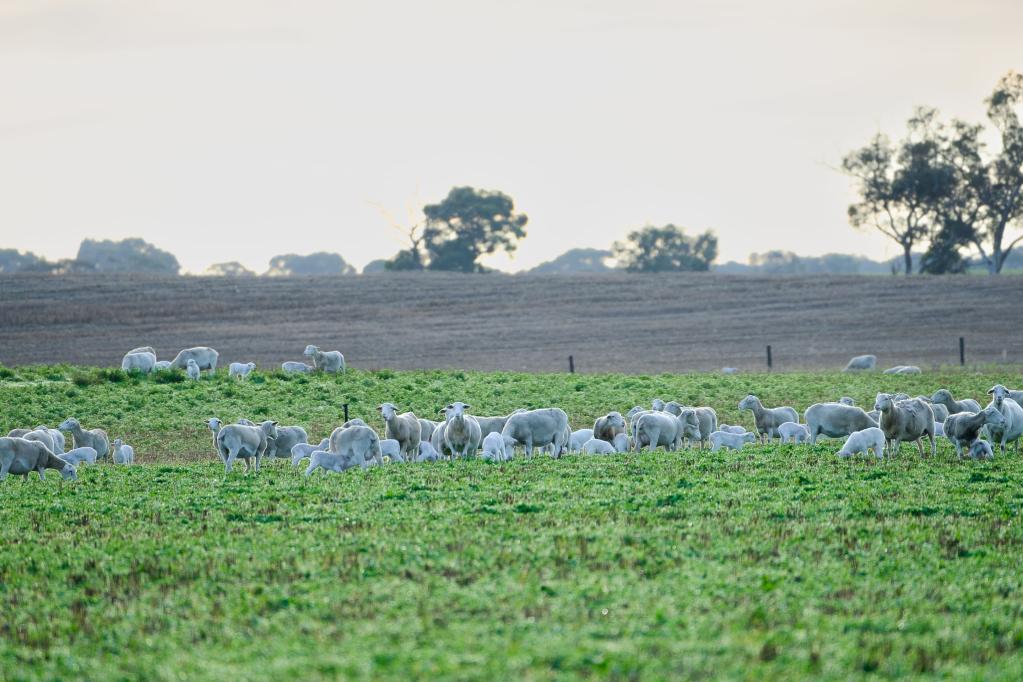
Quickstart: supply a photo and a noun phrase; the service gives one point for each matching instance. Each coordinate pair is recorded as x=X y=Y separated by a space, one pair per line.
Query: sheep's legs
x=655 y=439
x=231 y=455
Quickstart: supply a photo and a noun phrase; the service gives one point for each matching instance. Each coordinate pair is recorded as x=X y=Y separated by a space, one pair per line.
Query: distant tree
x=576 y=260
x=229 y=269
x=412 y=257
x=944 y=254
x=777 y=262
x=320 y=263
x=127 y=255
x=12 y=260
x=374 y=266
x=665 y=249
x=467 y=225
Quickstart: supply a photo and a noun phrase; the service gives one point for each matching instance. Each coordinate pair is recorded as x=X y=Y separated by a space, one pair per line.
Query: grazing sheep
x=944 y=397
x=729 y=370
x=79 y=455
x=905 y=420
x=302 y=450
x=426 y=428
x=390 y=448
x=142 y=349
x=962 y=428
x=733 y=441
x=893 y=370
x=122 y=453
x=286 y=439
x=1013 y=413
x=292 y=367
x=204 y=357
x=427 y=453
x=326 y=361
x=864 y=441
x=496 y=448
x=138 y=362
x=861 y=363
x=835 y=420
x=361 y=442
x=595 y=446
x=331 y=461
x=162 y=365
x=609 y=426
x=698 y=422
x=538 y=428
x=239 y=441
x=768 y=419
x=461 y=430
x=728 y=428
x=655 y=429
x=908 y=369
x=846 y=400
x=56 y=435
x=796 y=432
x=94 y=438
x=404 y=428
x=20 y=457
x=240 y=369
x=192 y=370
x=981 y=449
x=577 y=438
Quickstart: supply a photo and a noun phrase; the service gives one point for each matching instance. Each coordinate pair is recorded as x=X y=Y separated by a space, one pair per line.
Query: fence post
x=571 y=365
x=962 y=352
x=769 y=363
x=345 y=406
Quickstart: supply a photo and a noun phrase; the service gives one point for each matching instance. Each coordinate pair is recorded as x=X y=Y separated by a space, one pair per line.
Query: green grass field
x=777 y=562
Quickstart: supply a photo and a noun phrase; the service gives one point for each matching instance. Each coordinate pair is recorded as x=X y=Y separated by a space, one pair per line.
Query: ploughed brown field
x=616 y=322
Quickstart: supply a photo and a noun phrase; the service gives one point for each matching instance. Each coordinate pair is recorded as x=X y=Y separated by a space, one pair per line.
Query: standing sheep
x=864 y=441
x=300 y=451
x=122 y=453
x=699 y=422
x=768 y=419
x=944 y=397
x=56 y=435
x=359 y=443
x=496 y=448
x=658 y=428
x=797 y=433
x=861 y=363
x=284 y=441
x=538 y=428
x=20 y=457
x=192 y=370
x=240 y=369
x=963 y=428
x=733 y=441
x=426 y=428
x=204 y=357
x=138 y=362
x=905 y=420
x=94 y=438
x=835 y=420
x=238 y=441
x=1013 y=413
x=462 y=434
x=326 y=361
x=404 y=428
x=609 y=426
x=79 y=455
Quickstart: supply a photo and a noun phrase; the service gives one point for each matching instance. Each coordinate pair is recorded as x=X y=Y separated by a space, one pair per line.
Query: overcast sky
x=239 y=130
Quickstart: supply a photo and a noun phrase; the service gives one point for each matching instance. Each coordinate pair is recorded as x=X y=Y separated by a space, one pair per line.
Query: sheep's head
x=42 y=427
x=846 y=400
x=615 y=419
x=634 y=411
x=748 y=402
x=657 y=405
x=192 y=363
x=673 y=408
x=388 y=411
x=214 y=424
x=748 y=437
x=69 y=424
x=118 y=442
x=999 y=392
x=311 y=350
x=68 y=473
x=992 y=417
x=269 y=427
x=900 y=396
x=942 y=395
x=456 y=409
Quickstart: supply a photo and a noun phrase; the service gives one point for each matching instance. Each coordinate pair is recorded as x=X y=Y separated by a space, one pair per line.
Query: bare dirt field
x=618 y=322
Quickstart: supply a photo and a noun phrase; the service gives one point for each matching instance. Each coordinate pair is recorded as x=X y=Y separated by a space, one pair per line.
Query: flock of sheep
x=895 y=419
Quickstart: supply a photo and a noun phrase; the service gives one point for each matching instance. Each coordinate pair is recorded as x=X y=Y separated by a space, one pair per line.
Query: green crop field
x=776 y=562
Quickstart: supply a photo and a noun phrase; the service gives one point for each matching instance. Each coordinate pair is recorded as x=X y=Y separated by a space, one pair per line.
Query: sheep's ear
x=380 y=408
x=467 y=407
x=442 y=410
x=991 y=390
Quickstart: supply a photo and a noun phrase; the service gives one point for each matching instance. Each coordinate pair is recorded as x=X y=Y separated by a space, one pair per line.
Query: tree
x=127 y=255
x=778 y=262
x=467 y=225
x=229 y=269
x=666 y=249
x=412 y=257
x=319 y=263
x=12 y=260
x=576 y=260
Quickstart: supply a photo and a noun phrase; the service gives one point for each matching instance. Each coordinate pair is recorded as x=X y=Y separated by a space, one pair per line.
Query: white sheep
x=123 y=453
x=426 y=429
x=192 y=369
x=944 y=397
x=729 y=370
x=138 y=362
x=162 y=365
x=981 y=449
x=963 y=428
x=538 y=428
x=58 y=438
x=462 y=434
x=300 y=451
x=93 y=438
x=240 y=441
x=697 y=422
x=768 y=419
x=905 y=420
x=733 y=441
x=797 y=433
x=577 y=438
x=79 y=455
x=292 y=367
x=240 y=369
x=287 y=438
x=326 y=361
x=1013 y=413
x=403 y=428
x=729 y=428
x=20 y=457
x=497 y=448
x=41 y=435
x=864 y=441
x=835 y=420
x=360 y=443
x=204 y=357
x=426 y=452
x=861 y=363
x=655 y=429
x=595 y=446
x=331 y=461
x=142 y=349
x=846 y=400
x=607 y=427
x=389 y=448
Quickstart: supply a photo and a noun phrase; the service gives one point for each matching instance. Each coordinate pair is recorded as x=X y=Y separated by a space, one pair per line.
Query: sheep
x=292 y=367
x=162 y=365
x=658 y=428
x=426 y=428
x=461 y=430
x=729 y=370
x=962 y=428
x=404 y=428
x=240 y=369
x=944 y=397
x=897 y=369
x=835 y=420
x=19 y=433
x=204 y=357
x=239 y=441
x=331 y=461
x=426 y=452
x=733 y=441
x=595 y=446
x=1013 y=413
x=286 y=439
x=390 y=448
x=861 y=363
x=609 y=426
x=846 y=400
x=497 y=448
x=905 y=420
x=940 y=411
x=192 y=370
x=698 y=422
x=360 y=443
x=864 y=441
x=138 y=362
x=94 y=438
x=142 y=349
x=490 y=425
x=20 y=457
x=538 y=428
x=908 y=369
x=79 y=455
x=728 y=428
x=354 y=422
x=42 y=436
x=768 y=419
x=577 y=438
x=981 y=449
x=796 y=432
x=326 y=361
x=122 y=453
x=300 y=451
x=634 y=412
x=58 y=438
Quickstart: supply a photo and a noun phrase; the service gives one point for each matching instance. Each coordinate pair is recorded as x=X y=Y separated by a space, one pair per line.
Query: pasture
x=775 y=562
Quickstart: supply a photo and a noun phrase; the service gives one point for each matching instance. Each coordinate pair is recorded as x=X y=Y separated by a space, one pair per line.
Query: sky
x=223 y=130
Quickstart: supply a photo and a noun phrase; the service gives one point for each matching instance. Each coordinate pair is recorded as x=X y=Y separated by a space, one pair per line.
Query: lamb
x=939 y=427
x=239 y=441
x=240 y=369
x=728 y=428
x=861 y=363
x=462 y=434
x=404 y=428
x=330 y=461
x=79 y=455
x=864 y=441
x=546 y=426
x=139 y=362
x=360 y=443
x=981 y=449
x=286 y=439
x=905 y=420
x=1013 y=413
x=962 y=428
x=595 y=446
x=292 y=367
x=192 y=370
x=326 y=361
x=56 y=435
x=846 y=400
x=609 y=426
x=835 y=420
x=655 y=429
x=944 y=397
x=733 y=441
x=768 y=419
x=796 y=432
x=426 y=452
x=122 y=453
x=20 y=457
x=94 y=438
x=300 y=451
x=497 y=448
x=577 y=438
x=204 y=357
x=390 y=448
